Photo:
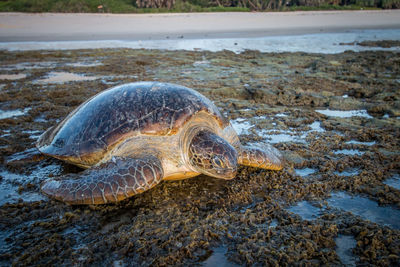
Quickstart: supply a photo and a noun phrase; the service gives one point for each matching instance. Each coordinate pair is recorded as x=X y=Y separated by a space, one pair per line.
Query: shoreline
x=37 y=27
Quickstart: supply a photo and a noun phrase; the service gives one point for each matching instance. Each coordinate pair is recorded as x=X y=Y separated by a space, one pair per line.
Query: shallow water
x=64 y=77
x=360 y=206
x=316 y=127
x=351 y=152
x=9 y=187
x=12 y=76
x=40 y=118
x=393 y=182
x=9 y=194
x=345 y=114
x=33 y=134
x=355 y=142
x=30 y=65
x=306 y=210
x=6 y=114
x=366 y=208
x=305 y=171
x=326 y=43
x=218 y=258
x=281 y=137
x=48 y=64
x=344 y=246
x=85 y=64
x=202 y=63
x=275 y=136
x=241 y=126
x=348 y=172
x=11 y=183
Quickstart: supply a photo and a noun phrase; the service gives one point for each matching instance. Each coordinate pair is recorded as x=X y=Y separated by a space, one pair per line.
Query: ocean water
x=326 y=43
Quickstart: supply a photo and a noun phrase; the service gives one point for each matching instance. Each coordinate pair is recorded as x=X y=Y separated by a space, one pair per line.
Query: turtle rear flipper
x=267 y=157
x=112 y=181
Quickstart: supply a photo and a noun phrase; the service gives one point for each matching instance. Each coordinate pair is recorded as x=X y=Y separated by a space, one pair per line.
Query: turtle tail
x=112 y=181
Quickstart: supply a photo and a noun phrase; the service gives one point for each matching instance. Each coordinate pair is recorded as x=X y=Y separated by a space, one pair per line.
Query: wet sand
x=335 y=117
x=16 y=27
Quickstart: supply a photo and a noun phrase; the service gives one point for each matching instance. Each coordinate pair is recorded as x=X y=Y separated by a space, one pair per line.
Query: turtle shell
x=143 y=108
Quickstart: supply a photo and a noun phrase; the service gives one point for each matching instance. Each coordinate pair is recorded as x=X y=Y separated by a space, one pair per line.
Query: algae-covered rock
x=243 y=221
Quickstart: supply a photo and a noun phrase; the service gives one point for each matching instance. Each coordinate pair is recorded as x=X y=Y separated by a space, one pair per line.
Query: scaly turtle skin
x=131 y=137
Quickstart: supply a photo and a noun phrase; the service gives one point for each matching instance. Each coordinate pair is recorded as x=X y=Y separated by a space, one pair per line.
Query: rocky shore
x=335 y=117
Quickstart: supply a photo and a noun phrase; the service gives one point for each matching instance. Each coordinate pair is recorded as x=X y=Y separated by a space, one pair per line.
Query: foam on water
x=366 y=208
x=345 y=114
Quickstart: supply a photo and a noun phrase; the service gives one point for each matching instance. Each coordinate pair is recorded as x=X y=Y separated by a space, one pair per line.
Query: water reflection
x=344 y=246
x=366 y=208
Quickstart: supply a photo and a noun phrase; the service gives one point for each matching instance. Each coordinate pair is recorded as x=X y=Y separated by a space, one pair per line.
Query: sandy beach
x=16 y=27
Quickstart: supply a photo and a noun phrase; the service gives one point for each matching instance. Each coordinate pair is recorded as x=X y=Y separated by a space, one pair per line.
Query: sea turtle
x=133 y=136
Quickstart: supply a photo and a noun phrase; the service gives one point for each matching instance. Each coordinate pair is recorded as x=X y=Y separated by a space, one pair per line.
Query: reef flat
x=335 y=117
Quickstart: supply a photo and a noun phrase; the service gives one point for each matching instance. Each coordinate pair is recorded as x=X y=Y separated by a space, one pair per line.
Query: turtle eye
x=218 y=162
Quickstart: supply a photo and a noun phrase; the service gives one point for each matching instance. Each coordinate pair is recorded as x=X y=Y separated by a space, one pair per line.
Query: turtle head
x=212 y=155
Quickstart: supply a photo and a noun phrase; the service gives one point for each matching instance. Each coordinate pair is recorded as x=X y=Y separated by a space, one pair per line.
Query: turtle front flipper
x=112 y=181
x=267 y=157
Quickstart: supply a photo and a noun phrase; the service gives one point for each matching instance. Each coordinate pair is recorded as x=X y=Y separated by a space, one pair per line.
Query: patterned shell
x=145 y=108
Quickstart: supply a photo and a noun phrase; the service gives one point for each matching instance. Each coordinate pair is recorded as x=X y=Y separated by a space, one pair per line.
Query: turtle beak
x=227 y=173
x=229 y=169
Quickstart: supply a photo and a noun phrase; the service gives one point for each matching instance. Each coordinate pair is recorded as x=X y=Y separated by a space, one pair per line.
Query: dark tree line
x=132 y=6
x=260 y=5
x=155 y=3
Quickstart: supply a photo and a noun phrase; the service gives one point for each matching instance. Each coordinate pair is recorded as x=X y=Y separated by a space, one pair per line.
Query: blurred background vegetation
x=153 y=6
